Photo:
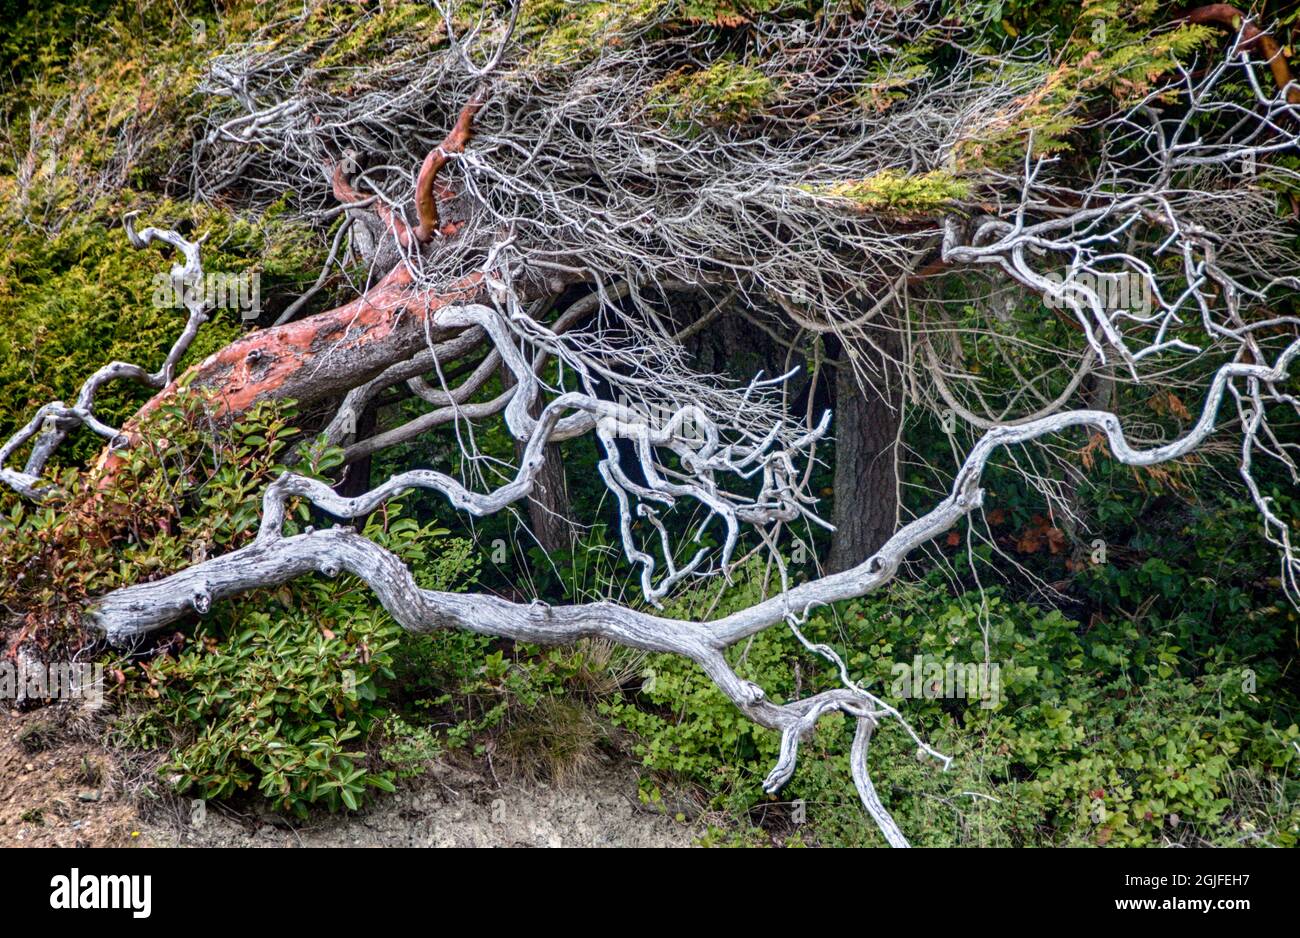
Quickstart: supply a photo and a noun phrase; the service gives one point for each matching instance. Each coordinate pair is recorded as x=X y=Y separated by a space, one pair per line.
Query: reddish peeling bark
x=427 y=189
x=346 y=194
x=332 y=352
x=318 y=357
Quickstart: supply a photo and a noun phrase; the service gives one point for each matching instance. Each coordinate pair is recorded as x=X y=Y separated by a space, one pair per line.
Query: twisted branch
x=272 y=559
x=53 y=422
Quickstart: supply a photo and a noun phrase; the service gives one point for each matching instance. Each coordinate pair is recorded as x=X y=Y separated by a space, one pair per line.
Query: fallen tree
x=621 y=171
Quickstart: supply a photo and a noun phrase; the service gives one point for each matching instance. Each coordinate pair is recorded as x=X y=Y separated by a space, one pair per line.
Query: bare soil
x=56 y=790
x=60 y=790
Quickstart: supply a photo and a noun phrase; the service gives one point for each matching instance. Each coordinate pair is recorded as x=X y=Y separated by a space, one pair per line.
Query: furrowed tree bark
x=356 y=474
x=867 y=420
x=549 y=513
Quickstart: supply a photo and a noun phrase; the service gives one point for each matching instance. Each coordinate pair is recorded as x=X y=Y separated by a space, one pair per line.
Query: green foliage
x=1156 y=705
x=95 y=124
x=39 y=37
x=896 y=192
x=566 y=32
x=736 y=13
x=726 y=92
x=1115 y=59
x=272 y=688
x=281 y=692
x=102 y=107
x=82 y=296
x=386 y=35
x=274 y=707
x=1081 y=742
x=193 y=486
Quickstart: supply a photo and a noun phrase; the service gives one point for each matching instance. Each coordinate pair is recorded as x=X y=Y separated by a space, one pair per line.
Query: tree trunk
x=866 y=423
x=548 y=504
x=356 y=474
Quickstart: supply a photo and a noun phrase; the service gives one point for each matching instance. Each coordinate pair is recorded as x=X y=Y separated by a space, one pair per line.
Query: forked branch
x=128 y=614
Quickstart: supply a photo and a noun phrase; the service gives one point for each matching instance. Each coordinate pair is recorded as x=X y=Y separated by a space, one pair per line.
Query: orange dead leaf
x=1096 y=444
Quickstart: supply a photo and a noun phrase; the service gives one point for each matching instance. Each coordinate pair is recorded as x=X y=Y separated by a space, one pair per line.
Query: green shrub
x=280 y=691
x=726 y=92
x=283 y=691
x=1082 y=745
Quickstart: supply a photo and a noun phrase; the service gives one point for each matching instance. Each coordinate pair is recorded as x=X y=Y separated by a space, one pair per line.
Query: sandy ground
x=454 y=808
x=56 y=792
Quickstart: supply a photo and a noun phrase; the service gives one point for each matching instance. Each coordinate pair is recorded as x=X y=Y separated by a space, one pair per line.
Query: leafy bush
x=1083 y=744
x=193 y=486
x=274 y=691
x=282 y=691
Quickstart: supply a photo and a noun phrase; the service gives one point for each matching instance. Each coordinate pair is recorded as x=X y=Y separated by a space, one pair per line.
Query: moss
x=726 y=92
x=561 y=31
x=108 y=104
x=377 y=36
x=565 y=31
x=896 y=192
x=82 y=296
x=735 y=13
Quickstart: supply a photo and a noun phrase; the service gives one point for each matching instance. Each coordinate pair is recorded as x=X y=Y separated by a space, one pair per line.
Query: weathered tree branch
x=129 y=613
x=52 y=423
x=578 y=177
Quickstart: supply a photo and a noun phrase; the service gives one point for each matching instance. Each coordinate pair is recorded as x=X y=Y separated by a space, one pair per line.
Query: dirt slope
x=60 y=792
